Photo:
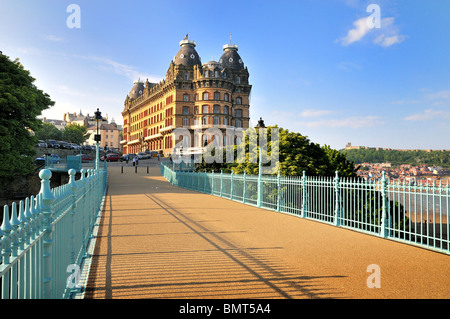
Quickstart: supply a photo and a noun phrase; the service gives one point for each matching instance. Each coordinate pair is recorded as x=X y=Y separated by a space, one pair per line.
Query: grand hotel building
x=193 y=96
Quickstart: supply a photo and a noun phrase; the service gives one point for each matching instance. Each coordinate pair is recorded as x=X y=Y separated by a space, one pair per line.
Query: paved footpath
x=159 y=241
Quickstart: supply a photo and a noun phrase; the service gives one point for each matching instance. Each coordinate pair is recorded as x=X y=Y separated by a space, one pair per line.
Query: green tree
x=48 y=131
x=75 y=133
x=296 y=154
x=20 y=104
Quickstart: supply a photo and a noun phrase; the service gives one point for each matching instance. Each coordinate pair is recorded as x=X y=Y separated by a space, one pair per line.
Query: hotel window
x=185 y=121
x=206 y=74
x=238 y=80
x=216 y=120
x=225 y=109
x=238 y=113
x=238 y=100
x=225 y=121
x=185 y=110
x=205 y=95
x=225 y=97
x=186 y=97
x=238 y=124
x=216 y=109
x=196 y=97
x=205 y=120
x=186 y=75
x=216 y=74
x=196 y=109
x=205 y=109
x=216 y=96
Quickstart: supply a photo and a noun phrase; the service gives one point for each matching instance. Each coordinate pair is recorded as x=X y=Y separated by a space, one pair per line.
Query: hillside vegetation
x=396 y=157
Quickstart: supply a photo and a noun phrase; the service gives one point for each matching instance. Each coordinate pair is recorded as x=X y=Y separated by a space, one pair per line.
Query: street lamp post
x=97 y=138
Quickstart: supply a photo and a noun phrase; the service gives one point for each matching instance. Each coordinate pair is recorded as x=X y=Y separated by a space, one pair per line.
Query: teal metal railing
x=414 y=214
x=44 y=239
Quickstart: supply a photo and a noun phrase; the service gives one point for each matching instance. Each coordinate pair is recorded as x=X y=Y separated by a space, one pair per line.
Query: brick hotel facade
x=193 y=96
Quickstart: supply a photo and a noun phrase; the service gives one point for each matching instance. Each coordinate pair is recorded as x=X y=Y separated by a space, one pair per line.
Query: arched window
x=185 y=110
x=216 y=96
x=225 y=121
x=238 y=124
x=225 y=97
x=185 y=97
x=238 y=80
x=225 y=109
x=216 y=120
x=216 y=109
x=205 y=109
x=238 y=113
x=185 y=121
x=186 y=75
x=216 y=73
x=205 y=96
x=204 y=120
x=206 y=73
x=238 y=100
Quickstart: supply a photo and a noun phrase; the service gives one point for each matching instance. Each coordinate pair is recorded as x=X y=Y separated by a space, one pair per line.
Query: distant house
x=110 y=135
x=60 y=124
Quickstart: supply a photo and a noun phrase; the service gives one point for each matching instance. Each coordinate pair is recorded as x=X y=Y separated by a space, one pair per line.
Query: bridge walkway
x=159 y=241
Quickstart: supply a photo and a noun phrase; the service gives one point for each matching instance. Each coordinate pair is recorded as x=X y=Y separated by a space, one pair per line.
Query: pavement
x=160 y=241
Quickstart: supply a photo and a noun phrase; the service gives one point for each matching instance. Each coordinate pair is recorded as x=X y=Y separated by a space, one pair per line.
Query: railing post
x=47 y=200
x=278 y=191
x=83 y=209
x=244 y=192
x=6 y=230
x=304 y=205
x=212 y=183
x=73 y=188
x=231 y=185
x=221 y=182
x=259 y=186
x=385 y=207
x=337 y=209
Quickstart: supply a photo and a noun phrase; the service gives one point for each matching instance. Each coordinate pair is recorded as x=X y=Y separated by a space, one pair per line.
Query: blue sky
x=317 y=67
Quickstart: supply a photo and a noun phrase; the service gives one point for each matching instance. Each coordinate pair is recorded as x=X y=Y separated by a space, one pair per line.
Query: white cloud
x=350 y=122
x=128 y=71
x=386 y=35
x=314 y=113
x=357 y=33
x=429 y=114
x=52 y=38
x=349 y=66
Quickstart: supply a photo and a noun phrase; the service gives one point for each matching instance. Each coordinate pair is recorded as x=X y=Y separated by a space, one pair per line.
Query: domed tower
x=187 y=55
x=231 y=58
x=136 y=90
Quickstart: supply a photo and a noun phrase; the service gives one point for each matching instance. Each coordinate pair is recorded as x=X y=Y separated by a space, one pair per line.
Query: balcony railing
x=414 y=214
x=45 y=239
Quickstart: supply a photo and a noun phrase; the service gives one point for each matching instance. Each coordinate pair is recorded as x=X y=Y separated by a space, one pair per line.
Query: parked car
x=112 y=157
x=142 y=155
x=85 y=158
x=52 y=144
x=41 y=143
x=74 y=146
x=51 y=159
x=127 y=157
x=88 y=147
x=63 y=144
